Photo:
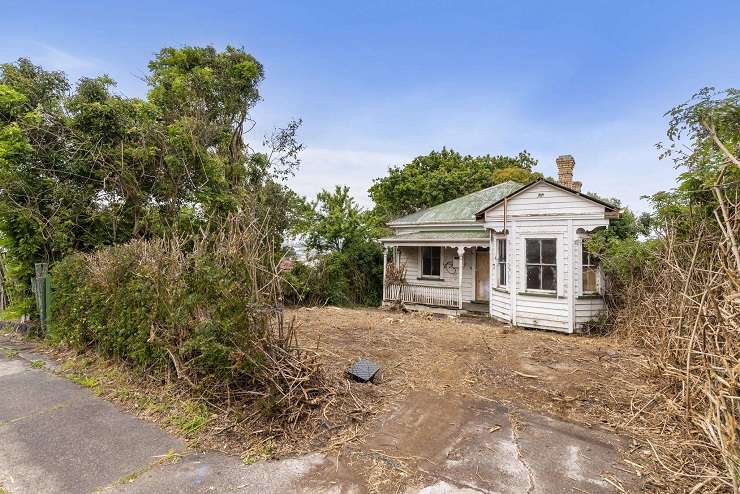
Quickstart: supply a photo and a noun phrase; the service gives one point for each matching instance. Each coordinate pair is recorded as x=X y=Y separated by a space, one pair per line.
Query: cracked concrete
x=520 y=456
x=470 y=445
x=57 y=437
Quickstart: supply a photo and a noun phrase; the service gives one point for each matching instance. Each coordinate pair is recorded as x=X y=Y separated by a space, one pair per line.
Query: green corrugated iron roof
x=441 y=235
x=460 y=209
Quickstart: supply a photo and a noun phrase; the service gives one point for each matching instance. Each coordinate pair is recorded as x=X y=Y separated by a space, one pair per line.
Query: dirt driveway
x=578 y=378
x=475 y=404
x=461 y=406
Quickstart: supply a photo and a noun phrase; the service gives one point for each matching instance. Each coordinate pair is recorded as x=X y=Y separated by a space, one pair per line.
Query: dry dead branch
x=685 y=309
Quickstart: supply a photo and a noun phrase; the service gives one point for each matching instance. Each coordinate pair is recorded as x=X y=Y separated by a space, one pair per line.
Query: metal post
x=40 y=288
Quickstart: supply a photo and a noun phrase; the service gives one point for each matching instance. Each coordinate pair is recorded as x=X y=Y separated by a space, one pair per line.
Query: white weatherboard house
x=513 y=251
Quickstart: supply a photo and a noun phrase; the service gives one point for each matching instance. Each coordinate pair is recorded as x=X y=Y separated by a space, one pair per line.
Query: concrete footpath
x=58 y=437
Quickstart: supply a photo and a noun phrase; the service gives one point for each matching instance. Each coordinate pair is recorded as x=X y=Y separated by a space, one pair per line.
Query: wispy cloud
x=50 y=57
x=325 y=168
x=55 y=58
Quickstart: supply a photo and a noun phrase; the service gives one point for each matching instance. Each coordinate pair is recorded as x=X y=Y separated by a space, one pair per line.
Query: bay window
x=541 y=261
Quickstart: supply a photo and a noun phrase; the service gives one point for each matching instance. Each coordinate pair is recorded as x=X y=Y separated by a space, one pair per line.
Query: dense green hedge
x=204 y=311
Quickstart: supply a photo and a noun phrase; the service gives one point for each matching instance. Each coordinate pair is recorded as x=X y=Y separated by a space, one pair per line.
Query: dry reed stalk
x=685 y=308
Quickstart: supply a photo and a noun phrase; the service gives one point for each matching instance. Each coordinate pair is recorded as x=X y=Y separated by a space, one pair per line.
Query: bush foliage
x=346 y=260
x=205 y=307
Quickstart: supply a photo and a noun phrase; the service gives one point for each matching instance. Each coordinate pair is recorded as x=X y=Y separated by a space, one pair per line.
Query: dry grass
x=594 y=381
x=684 y=309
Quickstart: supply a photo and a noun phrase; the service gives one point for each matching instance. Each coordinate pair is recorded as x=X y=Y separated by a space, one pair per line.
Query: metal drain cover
x=363 y=370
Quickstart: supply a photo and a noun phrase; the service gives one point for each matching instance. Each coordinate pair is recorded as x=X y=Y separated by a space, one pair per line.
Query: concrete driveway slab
x=212 y=472
x=27 y=391
x=469 y=444
x=563 y=456
x=63 y=439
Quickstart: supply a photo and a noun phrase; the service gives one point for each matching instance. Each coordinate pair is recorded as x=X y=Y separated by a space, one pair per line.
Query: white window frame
x=556 y=265
x=598 y=272
x=421 y=262
x=497 y=263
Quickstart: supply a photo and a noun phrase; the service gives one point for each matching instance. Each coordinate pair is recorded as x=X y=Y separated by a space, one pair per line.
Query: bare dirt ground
x=452 y=366
x=461 y=405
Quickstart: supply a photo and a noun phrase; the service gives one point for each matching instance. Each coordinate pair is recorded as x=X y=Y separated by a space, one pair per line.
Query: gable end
x=609 y=208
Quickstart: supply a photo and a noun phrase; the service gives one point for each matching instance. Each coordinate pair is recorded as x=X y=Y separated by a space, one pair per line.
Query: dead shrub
x=685 y=308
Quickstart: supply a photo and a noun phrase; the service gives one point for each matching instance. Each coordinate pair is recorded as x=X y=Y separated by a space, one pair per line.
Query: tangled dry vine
x=685 y=308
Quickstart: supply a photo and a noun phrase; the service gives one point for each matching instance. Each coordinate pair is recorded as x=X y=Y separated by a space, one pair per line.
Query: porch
x=450 y=274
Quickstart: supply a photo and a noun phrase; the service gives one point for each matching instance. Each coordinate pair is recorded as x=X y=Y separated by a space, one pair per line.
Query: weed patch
x=191 y=417
x=82 y=380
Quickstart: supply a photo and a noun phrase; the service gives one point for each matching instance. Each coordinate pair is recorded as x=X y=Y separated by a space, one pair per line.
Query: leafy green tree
x=333 y=222
x=441 y=176
x=348 y=264
x=84 y=167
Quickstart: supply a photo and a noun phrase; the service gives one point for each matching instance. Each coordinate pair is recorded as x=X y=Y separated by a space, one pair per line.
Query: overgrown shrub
x=205 y=309
x=353 y=276
x=678 y=295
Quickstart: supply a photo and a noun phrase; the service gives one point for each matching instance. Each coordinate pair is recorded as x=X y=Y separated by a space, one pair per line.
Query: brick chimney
x=566 y=163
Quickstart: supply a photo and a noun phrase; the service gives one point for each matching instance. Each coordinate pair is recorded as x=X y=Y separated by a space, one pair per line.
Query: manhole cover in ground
x=363 y=370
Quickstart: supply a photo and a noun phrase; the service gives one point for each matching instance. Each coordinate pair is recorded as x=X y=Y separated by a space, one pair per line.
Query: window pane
x=435 y=264
x=502 y=250
x=549 y=278
x=430 y=261
x=533 y=277
x=502 y=274
x=584 y=256
x=548 y=251
x=533 y=251
x=589 y=279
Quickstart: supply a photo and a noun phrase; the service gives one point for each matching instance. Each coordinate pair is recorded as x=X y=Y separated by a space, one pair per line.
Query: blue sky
x=377 y=83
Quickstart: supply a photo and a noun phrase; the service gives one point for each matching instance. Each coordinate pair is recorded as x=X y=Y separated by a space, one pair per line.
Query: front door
x=482 y=275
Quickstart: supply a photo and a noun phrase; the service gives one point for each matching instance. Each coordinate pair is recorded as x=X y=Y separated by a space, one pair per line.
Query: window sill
x=587 y=296
x=430 y=278
x=500 y=290
x=540 y=294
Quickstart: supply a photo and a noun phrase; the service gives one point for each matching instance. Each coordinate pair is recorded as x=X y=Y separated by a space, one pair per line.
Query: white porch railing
x=444 y=296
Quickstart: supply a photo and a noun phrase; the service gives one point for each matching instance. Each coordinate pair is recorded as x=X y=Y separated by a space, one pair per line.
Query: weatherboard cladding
x=461 y=209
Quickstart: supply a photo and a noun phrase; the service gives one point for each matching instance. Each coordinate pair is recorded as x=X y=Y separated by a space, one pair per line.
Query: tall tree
x=333 y=222
x=441 y=176
x=83 y=167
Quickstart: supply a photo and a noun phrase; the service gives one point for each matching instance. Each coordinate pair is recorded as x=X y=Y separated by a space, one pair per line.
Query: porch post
x=461 y=254
x=385 y=262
